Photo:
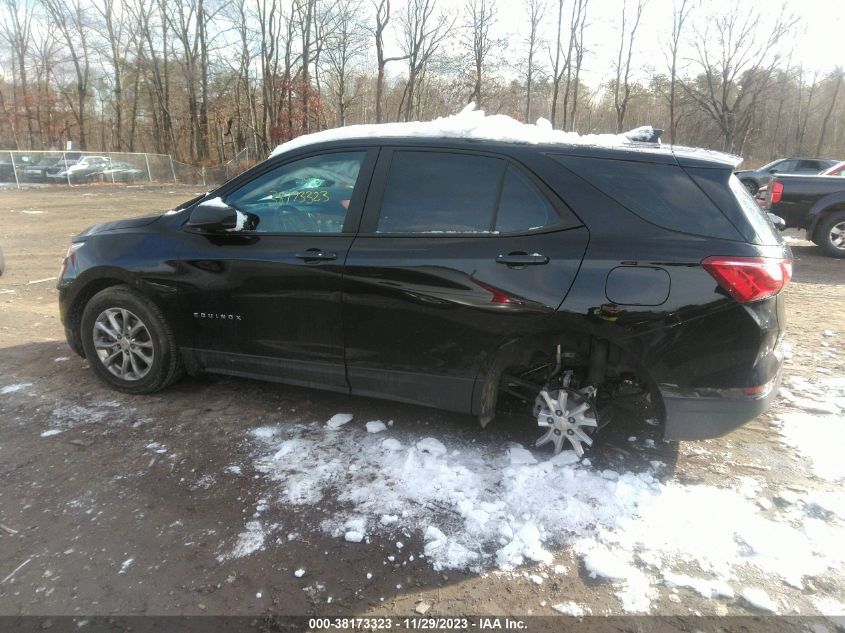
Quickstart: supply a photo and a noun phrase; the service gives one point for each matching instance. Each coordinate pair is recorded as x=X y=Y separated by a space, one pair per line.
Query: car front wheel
x=128 y=342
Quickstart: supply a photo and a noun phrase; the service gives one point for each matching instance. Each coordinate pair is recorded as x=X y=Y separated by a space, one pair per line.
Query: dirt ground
x=76 y=506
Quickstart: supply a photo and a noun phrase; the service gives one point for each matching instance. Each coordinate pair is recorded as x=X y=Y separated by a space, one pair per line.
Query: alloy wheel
x=837 y=236
x=123 y=344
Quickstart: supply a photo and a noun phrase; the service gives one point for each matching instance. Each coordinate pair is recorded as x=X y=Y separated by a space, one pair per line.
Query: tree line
x=204 y=79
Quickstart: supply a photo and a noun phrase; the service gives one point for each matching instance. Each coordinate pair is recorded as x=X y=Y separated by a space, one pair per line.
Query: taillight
x=775 y=192
x=749 y=279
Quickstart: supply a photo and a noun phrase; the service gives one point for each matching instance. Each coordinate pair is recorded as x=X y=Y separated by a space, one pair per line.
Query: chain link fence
x=43 y=168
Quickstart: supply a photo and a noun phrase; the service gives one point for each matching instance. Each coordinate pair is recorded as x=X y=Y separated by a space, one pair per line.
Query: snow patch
x=820 y=438
x=51 y=432
x=376 y=426
x=471 y=123
x=15 y=388
x=338 y=420
x=249 y=541
x=759 y=599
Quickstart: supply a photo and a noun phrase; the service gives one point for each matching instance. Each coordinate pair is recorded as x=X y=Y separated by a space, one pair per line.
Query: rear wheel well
x=593 y=361
x=78 y=307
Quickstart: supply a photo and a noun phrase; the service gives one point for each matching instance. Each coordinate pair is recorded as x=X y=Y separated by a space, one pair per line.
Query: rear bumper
x=700 y=416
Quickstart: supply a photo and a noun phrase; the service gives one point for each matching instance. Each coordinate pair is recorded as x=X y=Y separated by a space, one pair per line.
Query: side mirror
x=213 y=216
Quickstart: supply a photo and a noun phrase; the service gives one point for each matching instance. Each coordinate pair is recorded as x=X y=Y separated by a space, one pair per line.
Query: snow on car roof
x=469 y=123
x=472 y=123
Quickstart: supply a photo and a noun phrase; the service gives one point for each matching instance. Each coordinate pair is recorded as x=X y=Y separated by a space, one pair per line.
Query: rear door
x=457 y=252
x=264 y=299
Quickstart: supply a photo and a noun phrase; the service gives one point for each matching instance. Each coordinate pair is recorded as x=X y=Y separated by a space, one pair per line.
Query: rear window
x=756 y=216
x=658 y=193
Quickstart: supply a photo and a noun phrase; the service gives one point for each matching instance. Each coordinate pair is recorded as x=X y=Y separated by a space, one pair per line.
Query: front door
x=265 y=298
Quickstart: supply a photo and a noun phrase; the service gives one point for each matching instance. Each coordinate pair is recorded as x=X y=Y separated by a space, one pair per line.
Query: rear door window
x=522 y=207
x=433 y=192
x=439 y=192
x=810 y=166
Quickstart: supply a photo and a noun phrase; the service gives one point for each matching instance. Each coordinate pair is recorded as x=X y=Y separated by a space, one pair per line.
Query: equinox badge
x=218 y=316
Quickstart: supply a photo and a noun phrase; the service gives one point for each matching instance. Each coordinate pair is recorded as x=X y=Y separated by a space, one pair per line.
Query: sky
x=815 y=42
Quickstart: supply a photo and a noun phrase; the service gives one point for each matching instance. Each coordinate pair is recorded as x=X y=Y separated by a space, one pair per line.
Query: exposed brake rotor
x=568 y=416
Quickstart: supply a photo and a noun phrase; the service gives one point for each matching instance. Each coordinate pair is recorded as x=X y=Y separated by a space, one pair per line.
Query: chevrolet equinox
x=447 y=271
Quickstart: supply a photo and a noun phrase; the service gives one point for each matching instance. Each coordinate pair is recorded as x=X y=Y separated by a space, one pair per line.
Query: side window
x=440 y=192
x=785 y=166
x=311 y=195
x=522 y=207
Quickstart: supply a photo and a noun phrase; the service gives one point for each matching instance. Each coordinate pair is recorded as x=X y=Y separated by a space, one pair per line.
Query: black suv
x=445 y=272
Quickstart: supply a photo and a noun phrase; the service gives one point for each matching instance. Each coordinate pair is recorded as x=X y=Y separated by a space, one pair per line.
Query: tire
x=750 y=186
x=830 y=234
x=152 y=356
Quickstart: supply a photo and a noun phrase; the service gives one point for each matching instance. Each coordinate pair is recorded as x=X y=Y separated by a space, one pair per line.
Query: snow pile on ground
x=482 y=506
x=815 y=426
x=471 y=124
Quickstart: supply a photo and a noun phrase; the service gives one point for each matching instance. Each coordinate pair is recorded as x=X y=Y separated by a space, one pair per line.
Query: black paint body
x=424 y=318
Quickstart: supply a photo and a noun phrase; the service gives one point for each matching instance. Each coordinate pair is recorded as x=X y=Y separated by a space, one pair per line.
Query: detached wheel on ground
x=128 y=343
x=830 y=234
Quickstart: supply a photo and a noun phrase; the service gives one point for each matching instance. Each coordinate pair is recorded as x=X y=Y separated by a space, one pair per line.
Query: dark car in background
x=814 y=203
x=118 y=171
x=446 y=272
x=754 y=179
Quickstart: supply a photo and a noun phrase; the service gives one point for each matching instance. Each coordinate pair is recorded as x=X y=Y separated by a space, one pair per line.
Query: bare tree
x=114 y=24
x=536 y=12
x=72 y=22
x=736 y=55
x=423 y=31
x=622 y=85
x=566 y=64
x=17 y=31
x=345 y=47
x=382 y=18
x=836 y=77
x=680 y=13
x=479 y=18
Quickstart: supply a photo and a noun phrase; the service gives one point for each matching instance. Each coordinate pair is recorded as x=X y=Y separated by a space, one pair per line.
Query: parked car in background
x=753 y=179
x=814 y=203
x=88 y=169
x=7 y=171
x=119 y=171
x=58 y=171
x=36 y=171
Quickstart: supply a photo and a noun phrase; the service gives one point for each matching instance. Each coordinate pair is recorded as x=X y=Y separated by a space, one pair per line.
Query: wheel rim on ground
x=123 y=344
x=837 y=236
x=569 y=418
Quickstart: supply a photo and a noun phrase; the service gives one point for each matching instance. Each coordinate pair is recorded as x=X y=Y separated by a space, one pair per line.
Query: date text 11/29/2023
x=417 y=623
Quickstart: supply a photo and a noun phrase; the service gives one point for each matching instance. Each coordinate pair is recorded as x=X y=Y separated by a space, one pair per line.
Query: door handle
x=522 y=259
x=315 y=254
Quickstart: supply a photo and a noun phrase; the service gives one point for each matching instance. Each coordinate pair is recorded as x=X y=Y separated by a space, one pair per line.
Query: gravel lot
x=213 y=496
